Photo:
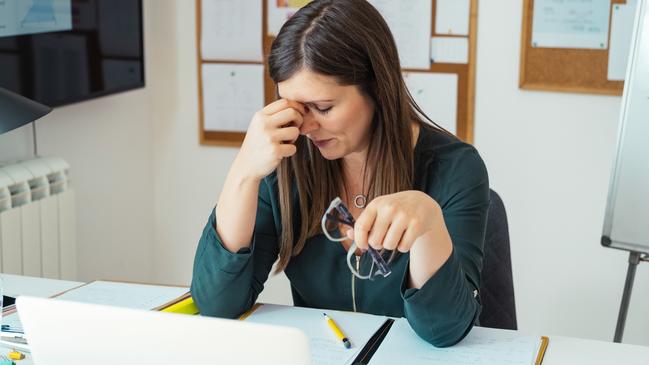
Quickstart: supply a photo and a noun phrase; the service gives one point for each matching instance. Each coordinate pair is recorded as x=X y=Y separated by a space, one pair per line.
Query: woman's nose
x=309 y=123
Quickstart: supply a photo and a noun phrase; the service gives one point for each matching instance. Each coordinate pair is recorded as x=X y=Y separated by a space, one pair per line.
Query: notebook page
x=117 y=294
x=326 y=348
x=482 y=346
x=126 y=295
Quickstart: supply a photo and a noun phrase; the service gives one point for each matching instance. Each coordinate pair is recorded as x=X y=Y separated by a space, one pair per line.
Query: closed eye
x=319 y=110
x=323 y=111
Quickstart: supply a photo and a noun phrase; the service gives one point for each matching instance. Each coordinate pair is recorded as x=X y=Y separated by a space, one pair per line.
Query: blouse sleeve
x=226 y=284
x=446 y=307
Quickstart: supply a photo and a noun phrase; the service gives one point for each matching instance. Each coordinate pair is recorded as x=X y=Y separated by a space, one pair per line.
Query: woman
x=346 y=126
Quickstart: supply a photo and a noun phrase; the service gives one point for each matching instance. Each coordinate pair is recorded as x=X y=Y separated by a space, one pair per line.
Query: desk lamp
x=17 y=110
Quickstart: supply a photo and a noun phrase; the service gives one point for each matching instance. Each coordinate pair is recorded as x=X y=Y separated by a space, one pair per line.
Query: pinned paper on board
x=449 y=50
x=410 y=24
x=279 y=11
x=295 y=3
x=231 y=30
x=431 y=36
x=436 y=95
x=581 y=24
x=232 y=93
x=452 y=17
x=621 y=30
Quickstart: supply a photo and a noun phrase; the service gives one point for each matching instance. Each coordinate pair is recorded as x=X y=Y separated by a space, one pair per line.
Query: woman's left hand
x=396 y=221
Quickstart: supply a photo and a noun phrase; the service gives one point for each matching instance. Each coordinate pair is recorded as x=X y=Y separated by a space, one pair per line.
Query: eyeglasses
x=337 y=214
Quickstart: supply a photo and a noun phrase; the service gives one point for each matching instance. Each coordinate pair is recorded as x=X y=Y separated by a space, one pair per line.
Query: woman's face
x=337 y=118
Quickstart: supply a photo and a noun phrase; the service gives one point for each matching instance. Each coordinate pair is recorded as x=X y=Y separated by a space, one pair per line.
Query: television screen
x=59 y=52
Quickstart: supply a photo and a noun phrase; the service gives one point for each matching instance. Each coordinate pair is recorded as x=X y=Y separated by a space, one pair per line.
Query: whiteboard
x=626 y=223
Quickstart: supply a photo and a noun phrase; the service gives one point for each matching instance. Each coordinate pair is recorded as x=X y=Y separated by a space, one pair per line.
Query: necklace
x=360 y=200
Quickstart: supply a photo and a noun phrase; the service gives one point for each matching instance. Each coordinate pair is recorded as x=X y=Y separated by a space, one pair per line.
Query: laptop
x=72 y=333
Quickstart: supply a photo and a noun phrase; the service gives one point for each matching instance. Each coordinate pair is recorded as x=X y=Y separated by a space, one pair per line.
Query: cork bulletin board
x=465 y=75
x=564 y=69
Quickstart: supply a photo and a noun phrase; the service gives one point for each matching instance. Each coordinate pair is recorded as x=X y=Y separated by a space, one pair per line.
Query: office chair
x=497 y=288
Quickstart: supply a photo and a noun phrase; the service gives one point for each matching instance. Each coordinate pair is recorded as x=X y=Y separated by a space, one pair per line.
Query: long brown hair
x=350 y=41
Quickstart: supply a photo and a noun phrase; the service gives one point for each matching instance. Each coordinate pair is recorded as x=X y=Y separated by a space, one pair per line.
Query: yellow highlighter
x=337 y=331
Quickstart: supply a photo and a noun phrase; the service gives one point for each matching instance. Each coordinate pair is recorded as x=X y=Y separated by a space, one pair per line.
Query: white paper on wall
x=231 y=30
x=449 y=50
x=436 y=95
x=410 y=24
x=571 y=24
x=622 y=20
x=279 y=11
x=452 y=17
x=232 y=93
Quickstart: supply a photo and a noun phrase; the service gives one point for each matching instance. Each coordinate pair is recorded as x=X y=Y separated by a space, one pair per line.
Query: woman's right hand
x=270 y=138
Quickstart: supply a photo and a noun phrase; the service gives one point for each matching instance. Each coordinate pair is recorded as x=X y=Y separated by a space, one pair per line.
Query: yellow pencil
x=339 y=333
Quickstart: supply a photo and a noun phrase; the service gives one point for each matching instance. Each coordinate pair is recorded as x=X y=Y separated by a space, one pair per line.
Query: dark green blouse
x=442 y=312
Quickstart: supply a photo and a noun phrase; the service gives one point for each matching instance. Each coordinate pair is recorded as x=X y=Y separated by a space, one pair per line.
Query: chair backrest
x=497 y=288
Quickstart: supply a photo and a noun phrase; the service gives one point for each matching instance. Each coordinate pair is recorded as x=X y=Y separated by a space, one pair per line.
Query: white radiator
x=37 y=219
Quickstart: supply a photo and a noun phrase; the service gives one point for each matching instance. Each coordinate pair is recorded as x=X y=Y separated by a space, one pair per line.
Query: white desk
x=561 y=350
x=569 y=350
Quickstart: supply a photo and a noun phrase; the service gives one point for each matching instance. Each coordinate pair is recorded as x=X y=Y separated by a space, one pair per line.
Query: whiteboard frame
x=606 y=239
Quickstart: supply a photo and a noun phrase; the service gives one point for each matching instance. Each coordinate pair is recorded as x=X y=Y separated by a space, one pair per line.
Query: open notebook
x=482 y=346
x=326 y=348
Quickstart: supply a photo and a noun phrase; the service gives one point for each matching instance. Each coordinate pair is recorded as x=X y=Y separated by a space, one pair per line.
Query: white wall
x=16 y=144
x=108 y=144
x=549 y=156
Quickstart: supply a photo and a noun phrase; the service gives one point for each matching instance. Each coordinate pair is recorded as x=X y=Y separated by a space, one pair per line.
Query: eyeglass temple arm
x=348 y=219
x=376 y=257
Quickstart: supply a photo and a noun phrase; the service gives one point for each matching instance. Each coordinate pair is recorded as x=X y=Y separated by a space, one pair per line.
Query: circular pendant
x=360 y=200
